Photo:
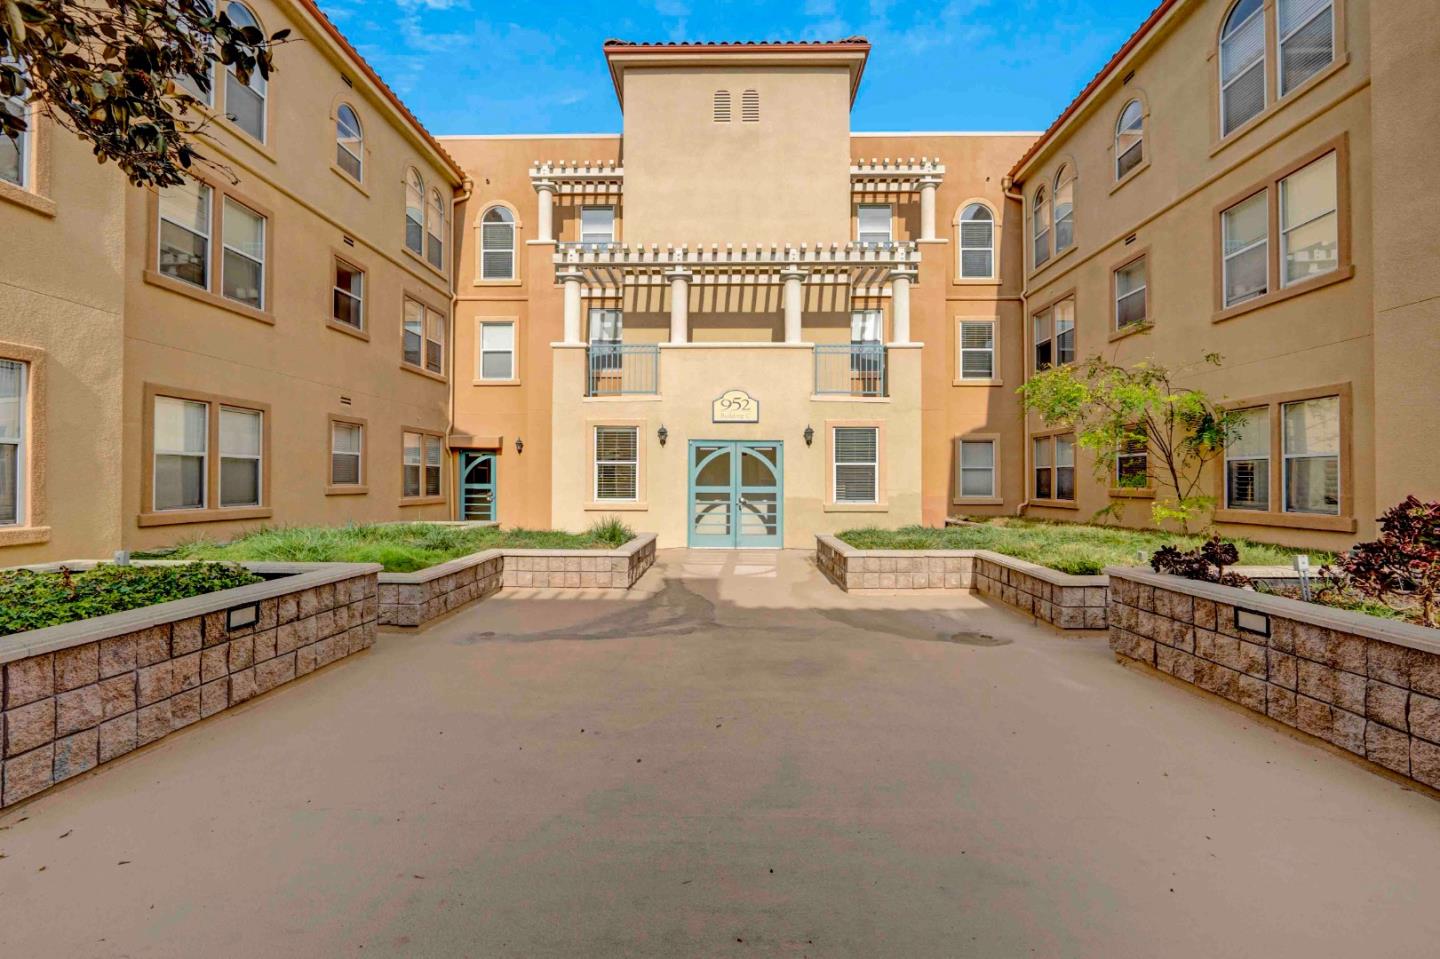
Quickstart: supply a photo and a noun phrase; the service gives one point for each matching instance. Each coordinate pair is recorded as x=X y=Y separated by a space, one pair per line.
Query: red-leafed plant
x=1205 y=562
x=1403 y=564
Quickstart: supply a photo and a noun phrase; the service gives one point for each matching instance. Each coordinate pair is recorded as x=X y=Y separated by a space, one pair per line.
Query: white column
x=679 y=305
x=927 y=207
x=545 y=222
x=572 y=307
x=900 y=306
x=794 y=304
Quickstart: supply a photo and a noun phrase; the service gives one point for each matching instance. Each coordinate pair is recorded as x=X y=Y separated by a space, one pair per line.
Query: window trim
x=30 y=526
x=1344 y=268
x=1052 y=502
x=1119 y=179
x=882 y=492
x=1029 y=333
x=416 y=296
x=1345 y=522
x=595 y=463
x=1225 y=459
x=642 y=453
x=1067 y=166
x=995 y=378
x=997 y=497
x=359 y=157
x=995 y=245
x=35 y=194
x=362 y=332
x=514 y=279
x=480 y=323
x=1146 y=322
x=422 y=499
x=347 y=489
x=1280 y=38
x=149 y=516
x=614 y=221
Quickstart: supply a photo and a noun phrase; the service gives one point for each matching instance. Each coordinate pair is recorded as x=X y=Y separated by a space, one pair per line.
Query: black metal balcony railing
x=617 y=369
x=850 y=369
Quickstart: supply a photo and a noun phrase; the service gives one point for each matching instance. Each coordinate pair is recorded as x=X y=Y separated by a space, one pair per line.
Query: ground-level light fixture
x=519 y=446
x=662 y=434
x=809 y=435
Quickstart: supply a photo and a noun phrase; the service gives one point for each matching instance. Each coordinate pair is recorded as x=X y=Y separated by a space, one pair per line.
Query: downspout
x=467 y=189
x=1007 y=189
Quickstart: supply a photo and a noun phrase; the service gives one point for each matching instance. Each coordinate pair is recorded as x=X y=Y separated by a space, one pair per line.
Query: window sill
x=20 y=196
x=1055 y=503
x=628 y=506
x=977 y=501
x=1279 y=296
x=1275 y=106
x=243 y=136
x=164 y=282
x=977 y=280
x=1133 y=329
x=24 y=535
x=420 y=259
x=1245 y=517
x=346 y=328
x=1131 y=492
x=512 y=282
x=179 y=516
x=1144 y=165
x=495 y=382
x=421 y=371
x=857 y=507
x=422 y=501
x=844 y=398
x=339 y=171
x=346 y=490
x=1056 y=258
x=988 y=382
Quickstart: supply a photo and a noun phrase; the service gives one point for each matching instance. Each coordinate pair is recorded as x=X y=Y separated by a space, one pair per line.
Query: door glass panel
x=717 y=471
x=712 y=514
x=758 y=514
x=757 y=466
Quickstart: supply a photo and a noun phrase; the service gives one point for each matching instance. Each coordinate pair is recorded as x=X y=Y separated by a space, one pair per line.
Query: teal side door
x=736 y=493
x=477 y=486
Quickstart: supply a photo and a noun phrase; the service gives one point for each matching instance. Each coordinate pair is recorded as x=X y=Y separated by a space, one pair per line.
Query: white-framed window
x=245 y=103
x=1131 y=293
x=242 y=269
x=497 y=244
x=421 y=459
x=349 y=300
x=1242 y=65
x=1044 y=341
x=1129 y=139
x=977 y=349
x=597 y=225
x=184 y=253
x=1306 y=40
x=181 y=447
x=414 y=211
x=1065 y=467
x=435 y=230
x=607 y=333
x=434 y=341
x=1247 y=460
x=1064 y=314
x=1054 y=466
x=1311 y=440
x=497 y=350
x=412 y=349
x=617 y=463
x=873 y=221
x=1064 y=208
x=1040 y=225
x=15 y=154
x=856 y=477
x=13 y=440
x=347 y=451
x=1132 y=460
x=241 y=448
x=1309 y=222
x=349 y=141
x=975 y=464
x=1245 y=238
x=977 y=243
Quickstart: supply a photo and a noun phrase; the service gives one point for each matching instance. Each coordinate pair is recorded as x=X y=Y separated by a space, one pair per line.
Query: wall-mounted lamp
x=662 y=434
x=809 y=435
x=519 y=446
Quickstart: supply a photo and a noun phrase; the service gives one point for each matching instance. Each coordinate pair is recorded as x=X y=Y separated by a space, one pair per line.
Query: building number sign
x=735 y=406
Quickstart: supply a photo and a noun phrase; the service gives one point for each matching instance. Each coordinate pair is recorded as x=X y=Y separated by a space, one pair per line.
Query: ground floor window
x=347 y=447
x=241 y=435
x=206 y=452
x=1132 y=460
x=976 y=468
x=422 y=458
x=856 y=464
x=1288 y=450
x=1312 y=455
x=182 y=446
x=1054 y=465
x=1247 y=461
x=13 y=376
x=617 y=463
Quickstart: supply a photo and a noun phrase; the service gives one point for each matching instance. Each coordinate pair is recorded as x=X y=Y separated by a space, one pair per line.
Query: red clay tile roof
x=1155 y=17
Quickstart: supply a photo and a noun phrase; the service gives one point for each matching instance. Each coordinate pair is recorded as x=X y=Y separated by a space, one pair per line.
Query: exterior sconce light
x=519 y=446
x=662 y=434
x=809 y=435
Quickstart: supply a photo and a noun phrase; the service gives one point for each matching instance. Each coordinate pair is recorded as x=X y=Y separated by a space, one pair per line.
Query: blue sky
x=472 y=66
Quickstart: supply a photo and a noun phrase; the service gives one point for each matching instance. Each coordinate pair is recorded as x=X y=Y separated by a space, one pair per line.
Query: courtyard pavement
x=734 y=759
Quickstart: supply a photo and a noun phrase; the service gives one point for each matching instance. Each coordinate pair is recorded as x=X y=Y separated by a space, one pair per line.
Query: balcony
x=850 y=369
x=623 y=369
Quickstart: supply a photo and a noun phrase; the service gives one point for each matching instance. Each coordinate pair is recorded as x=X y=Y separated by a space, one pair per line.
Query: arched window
x=1306 y=41
x=1064 y=207
x=1129 y=139
x=435 y=231
x=1040 y=225
x=245 y=103
x=349 y=141
x=1242 y=64
x=497 y=244
x=414 y=211
x=977 y=243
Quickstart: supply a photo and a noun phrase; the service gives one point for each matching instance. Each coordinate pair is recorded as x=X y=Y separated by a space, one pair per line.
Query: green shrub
x=33 y=600
x=612 y=531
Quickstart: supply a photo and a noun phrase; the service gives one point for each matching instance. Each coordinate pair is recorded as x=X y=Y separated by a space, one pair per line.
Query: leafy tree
x=1115 y=408
x=114 y=73
x=1403 y=563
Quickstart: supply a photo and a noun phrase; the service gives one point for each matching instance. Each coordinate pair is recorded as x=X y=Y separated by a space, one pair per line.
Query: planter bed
x=82 y=693
x=1368 y=685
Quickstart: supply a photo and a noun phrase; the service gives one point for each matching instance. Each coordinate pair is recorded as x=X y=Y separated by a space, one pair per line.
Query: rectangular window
x=1307 y=40
x=1064 y=313
x=1044 y=468
x=1309 y=222
x=243 y=269
x=1242 y=71
x=1247 y=461
x=241 y=433
x=873 y=223
x=597 y=225
x=347 y=447
x=607 y=332
x=1044 y=346
x=12 y=440
x=413 y=335
x=617 y=463
x=1132 y=460
x=185 y=233
x=1131 y=301
x=1312 y=455
x=497 y=351
x=245 y=103
x=349 y=304
x=434 y=461
x=1065 y=467
x=14 y=158
x=421 y=460
x=977 y=468
x=857 y=464
x=1054 y=467
x=181 y=440
x=434 y=341
x=977 y=349
x=1245 y=230
x=413 y=468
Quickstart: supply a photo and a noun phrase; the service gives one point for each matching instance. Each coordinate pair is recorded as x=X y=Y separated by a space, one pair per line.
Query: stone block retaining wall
x=1368 y=685
x=84 y=693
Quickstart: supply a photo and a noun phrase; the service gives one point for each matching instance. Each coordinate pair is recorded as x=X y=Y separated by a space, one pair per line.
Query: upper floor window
x=12 y=441
x=185 y=233
x=597 y=224
x=1129 y=139
x=1055 y=335
x=1064 y=208
x=497 y=350
x=1242 y=64
x=977 y=243
x=349 y=300
x=1132 y=300
x=497 y=244
x=977 y=349
x=349 y=141
x=1040 y=225
x=721 y=106
x=14 y=154
x=1306 y=40
x=414 y=211
x=873 y=223
x=1245 y=231
x=245 y=102
x=435 y=231
x=242 y=268
x=423 y=339
x=1309 y=222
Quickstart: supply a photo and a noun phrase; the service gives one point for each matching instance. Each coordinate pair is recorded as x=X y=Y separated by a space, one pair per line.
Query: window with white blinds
x=1306 y=40
x=421 y=460
x=14 y=154
x=13 y=440
x=497 y=244
x=873 y=223
x=597 y=224
x=720 y=109
x=497 y=351
x=242 y=268
x=975 y=468
x=1242 y=64
x=1129 y=139
x=1064 y=208
x=1312 y=455
x=1247 y=460
x=857 y=464
x=347 y=442
x=1245 y=240
x=1309 y=222
x=245 y=103
x=241 y=446
x=977 y=349
x=185 y=212
x=414 y=211
x=181 y=446
x=1040 y=226
x=750 y=106
x=617 y=463
x=977 y=243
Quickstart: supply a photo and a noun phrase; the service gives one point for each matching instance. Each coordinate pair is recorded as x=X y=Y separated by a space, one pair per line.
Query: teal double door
x=737 y=493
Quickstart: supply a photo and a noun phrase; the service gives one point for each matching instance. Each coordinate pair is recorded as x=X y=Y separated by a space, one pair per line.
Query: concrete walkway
x=735 y=759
